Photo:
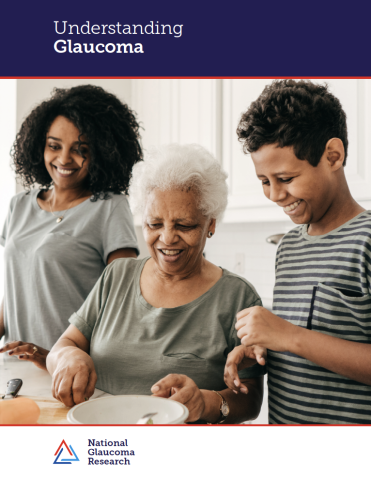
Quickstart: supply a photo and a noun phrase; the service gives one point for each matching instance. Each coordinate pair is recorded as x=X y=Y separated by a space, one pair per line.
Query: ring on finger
x=34 y=350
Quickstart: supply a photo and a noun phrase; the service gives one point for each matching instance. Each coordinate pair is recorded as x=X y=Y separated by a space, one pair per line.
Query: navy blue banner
x=185 y=39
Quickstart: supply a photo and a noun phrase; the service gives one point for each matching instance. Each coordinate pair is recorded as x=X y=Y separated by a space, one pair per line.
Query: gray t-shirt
x=133 y=345
x=51 y=267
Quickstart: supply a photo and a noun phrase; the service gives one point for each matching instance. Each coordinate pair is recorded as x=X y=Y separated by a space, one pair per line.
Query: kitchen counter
x=36 y=382
x=36 y=386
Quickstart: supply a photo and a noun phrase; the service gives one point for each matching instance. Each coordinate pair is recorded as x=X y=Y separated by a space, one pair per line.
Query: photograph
x=185 y=251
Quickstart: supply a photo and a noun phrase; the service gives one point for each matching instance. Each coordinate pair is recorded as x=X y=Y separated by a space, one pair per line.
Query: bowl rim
x=179 y=420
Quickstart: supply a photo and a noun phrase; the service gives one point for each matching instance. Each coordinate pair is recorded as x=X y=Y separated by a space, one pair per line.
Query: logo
x=68 y=451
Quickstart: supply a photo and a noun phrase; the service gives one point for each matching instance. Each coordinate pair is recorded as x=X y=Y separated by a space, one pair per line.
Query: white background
x=248 y=452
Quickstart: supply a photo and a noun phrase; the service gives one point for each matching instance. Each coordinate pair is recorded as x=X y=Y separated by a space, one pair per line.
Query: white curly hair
x=181 y=166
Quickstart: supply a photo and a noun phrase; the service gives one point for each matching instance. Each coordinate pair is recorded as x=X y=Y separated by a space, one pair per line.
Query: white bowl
x=127 y=410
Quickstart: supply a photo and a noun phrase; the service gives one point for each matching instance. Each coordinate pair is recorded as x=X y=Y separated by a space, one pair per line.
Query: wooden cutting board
x=51 y=411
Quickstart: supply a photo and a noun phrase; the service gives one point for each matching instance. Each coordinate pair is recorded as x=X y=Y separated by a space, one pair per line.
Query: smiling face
x=305 y=193
x=175 y=230
x=65 y=164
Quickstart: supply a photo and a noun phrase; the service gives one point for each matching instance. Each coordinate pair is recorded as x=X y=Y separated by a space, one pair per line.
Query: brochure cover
x=184 y=222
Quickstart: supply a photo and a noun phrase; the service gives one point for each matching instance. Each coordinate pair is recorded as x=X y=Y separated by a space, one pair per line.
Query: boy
x=319 y=359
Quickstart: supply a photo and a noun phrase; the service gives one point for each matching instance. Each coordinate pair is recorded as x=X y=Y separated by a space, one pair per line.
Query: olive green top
x=133 y=344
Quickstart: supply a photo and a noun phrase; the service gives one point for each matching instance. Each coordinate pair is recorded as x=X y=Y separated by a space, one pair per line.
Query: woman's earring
x=210 y=234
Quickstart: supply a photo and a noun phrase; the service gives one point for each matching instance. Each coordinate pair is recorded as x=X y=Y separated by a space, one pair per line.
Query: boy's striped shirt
x=323 y=283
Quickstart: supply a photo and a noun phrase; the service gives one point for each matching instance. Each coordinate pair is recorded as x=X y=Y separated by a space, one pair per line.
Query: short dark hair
x=300 y=114
x=109 y=125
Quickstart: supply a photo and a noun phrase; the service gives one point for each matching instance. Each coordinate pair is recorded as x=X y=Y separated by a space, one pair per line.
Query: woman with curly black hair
x=79 y=147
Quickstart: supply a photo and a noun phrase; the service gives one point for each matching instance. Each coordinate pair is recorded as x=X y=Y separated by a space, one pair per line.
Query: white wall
x=7 y=133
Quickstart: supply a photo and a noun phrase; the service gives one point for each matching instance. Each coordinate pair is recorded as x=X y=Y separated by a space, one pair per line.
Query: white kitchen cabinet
x=247 y=201
x=355 y=96
x=179 y=111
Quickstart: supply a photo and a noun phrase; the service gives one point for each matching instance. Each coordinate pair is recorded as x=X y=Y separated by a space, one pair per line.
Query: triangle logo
x=65 y=451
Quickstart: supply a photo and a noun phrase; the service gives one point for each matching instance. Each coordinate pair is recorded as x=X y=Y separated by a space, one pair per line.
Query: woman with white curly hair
x=165 y=324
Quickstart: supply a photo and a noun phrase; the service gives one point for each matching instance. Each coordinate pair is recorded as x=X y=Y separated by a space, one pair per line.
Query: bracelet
x=224 y=410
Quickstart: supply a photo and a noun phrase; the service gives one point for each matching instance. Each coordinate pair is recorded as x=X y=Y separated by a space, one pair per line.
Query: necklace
x=61 y=217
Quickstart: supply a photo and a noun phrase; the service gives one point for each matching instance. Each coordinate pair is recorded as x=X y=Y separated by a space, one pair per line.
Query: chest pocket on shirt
x=342 y=313
x=183 y=361
x=205 y=374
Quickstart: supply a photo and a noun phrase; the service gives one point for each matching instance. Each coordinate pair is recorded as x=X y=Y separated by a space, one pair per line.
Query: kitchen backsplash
x=242 y=248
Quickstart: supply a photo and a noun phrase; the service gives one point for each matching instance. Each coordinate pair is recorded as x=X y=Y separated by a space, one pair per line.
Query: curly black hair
x=293 y=113
x=109 y=125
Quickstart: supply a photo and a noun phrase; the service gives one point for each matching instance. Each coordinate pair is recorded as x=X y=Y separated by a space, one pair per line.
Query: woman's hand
x=74 y=378
x=205 y=404
x=184 y=390
x=239 y=358
x=28 y=352
x=259 y=326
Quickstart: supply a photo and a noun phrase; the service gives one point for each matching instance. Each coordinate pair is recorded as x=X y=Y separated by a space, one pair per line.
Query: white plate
x=127 y=410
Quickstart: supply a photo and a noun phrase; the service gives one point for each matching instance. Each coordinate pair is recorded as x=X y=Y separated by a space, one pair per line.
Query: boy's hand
x=239 y=358
x=258 y=326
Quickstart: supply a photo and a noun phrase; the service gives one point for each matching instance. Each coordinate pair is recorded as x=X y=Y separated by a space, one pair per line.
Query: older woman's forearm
x=64 y=347
x=67 y=361
x=72 y=342
x=242 y=407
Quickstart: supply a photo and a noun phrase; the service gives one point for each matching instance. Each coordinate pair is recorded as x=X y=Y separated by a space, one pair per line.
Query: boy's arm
x=258 y=326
